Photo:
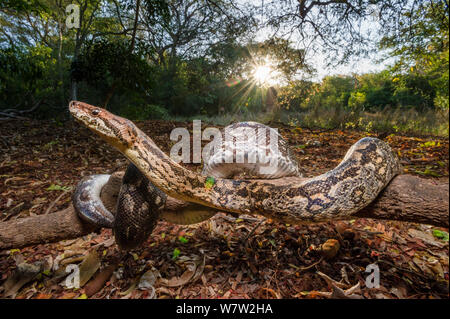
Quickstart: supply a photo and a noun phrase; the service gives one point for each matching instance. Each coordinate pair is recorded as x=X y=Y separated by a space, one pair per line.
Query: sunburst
x=266 y=74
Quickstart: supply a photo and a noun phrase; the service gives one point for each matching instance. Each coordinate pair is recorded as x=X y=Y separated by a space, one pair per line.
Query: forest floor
x=42 y=161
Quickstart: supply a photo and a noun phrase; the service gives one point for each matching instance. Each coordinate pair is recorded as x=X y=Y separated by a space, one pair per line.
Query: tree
x=420 y=44
x=344 y=28
x=189 y=27
x=407 y=198
x=45 y=25
x=23 y=75
x=186 y=31
x=106 y=64
x=335 y=27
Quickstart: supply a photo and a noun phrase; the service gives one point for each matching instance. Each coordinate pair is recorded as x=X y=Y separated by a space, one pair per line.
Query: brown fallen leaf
x=22 y=275
x=339 y=293
x=237 y=280
x=127 y=293
x=193 y=272
x=148 y=279
x=97 y=283
x=330 y=281
x=426 y=237
x=69 y=295
x=400 y=293
x=88 y=267
x=436 y=267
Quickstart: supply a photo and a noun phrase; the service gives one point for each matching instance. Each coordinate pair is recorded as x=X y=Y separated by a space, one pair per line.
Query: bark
x=406 y=198
x=411 y=199
x=38 y=229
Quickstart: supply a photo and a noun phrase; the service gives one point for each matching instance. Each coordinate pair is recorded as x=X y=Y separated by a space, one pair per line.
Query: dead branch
x=407 y=198
x=13 y=116
x=14 y=113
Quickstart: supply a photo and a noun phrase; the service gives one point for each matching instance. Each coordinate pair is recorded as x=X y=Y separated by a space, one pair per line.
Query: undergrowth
x=388 y=120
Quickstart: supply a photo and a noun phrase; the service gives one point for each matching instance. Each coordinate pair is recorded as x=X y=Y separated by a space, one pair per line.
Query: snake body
x=366 y=169
x=251 y=150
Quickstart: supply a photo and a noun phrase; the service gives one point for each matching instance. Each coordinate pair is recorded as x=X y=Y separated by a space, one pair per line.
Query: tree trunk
x=111 y=91
x=60 y=66
x=109 y=95
x=42 y=228
x=406 y=198
x=411 y=199
x=73 y=91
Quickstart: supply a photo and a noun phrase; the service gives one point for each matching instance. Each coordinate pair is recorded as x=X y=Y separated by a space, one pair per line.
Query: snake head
x=114 y=129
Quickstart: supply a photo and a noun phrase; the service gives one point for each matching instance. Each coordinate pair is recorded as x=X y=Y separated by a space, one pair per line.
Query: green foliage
x=383 y=101
x=421 y=49
x=296 y=94
x=440 y=234
x=176 y=253
x=209 y=183
x=357 y=100
x=147 y=112
x=24 y=75
x=23 y=5
x=106 y=63
x=371 y=92
x=414 y=91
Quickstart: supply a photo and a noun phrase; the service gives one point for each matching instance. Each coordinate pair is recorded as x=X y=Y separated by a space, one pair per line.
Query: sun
x=265 y=74
x=262 y=73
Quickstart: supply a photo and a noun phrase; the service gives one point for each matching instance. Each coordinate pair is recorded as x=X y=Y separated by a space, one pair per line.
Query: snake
x=366 y=169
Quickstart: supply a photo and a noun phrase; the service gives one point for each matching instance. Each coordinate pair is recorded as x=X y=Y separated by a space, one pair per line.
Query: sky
x=358 y=65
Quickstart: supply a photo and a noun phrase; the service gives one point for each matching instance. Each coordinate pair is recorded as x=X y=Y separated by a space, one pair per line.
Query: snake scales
x=366 y=169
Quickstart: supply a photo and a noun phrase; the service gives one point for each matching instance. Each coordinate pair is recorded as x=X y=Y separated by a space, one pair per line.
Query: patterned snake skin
x=366 y=169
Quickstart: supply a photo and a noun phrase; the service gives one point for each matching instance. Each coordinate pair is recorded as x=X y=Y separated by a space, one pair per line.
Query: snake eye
x=95 y=111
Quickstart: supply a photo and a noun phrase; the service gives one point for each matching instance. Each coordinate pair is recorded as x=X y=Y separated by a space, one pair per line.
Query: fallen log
x=407 y=198
x=411 y=199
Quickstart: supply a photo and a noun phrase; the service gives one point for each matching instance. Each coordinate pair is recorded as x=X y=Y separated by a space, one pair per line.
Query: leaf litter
x=224 y=257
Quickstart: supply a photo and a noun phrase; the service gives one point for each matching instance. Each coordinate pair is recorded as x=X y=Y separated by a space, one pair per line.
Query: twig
x=13 y=116
x=404 y=269
x=12 y=211
x=368 y=232
x=4 y=141
x=6 y=119
x=330 y=281
x=34 y=107
x=254 y=229
x=54 y=202
x=312 y=265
